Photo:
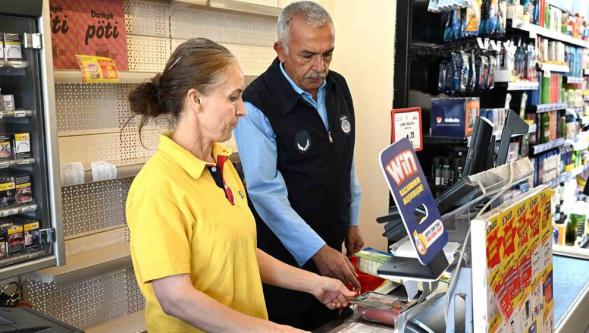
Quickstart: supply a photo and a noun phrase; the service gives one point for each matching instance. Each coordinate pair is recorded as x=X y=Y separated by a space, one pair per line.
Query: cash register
x=25 y=320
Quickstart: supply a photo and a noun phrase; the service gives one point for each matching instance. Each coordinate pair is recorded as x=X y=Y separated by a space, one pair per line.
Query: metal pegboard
x=223 y=26
x=254 y=60
x=88 y=107
x=113 y=146
x=96 y=241
x=147 y=18
x=147 y=54
x=87 y=302
x=92 y=207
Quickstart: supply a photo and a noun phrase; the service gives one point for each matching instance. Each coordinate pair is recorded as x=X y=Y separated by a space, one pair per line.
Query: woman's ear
x=193 y=100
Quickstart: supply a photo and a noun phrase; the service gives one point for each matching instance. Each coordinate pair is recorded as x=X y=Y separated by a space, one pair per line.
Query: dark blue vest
x=315 y=163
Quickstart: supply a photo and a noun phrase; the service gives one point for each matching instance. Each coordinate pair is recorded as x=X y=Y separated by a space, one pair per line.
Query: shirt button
x=213 y=169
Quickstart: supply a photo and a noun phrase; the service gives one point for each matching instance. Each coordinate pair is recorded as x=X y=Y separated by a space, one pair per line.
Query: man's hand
x=331 y=292
x=334 y=264
x=354 y=242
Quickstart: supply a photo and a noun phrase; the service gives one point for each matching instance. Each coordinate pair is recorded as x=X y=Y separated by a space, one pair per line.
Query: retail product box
x=12 y=47
x=454 y=117
x=32 y=241
x=22 y=145
x=3 y=241
x=16 y=239
x=6 y=102
x=5 y=146
x=7 y=189
x=1 y=46
x=23 y=189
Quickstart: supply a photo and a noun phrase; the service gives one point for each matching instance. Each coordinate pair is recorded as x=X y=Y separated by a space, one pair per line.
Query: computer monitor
x=514 y=125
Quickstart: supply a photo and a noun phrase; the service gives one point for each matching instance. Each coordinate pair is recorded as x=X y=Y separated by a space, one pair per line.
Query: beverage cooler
x=30 y=233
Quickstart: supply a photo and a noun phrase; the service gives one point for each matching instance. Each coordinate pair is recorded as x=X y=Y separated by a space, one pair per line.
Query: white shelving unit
x=17 y=64
x=575 y=80
x=87 y=264
x=522 y=85
x=534 y=30
x=267 y=8
x=555 y=68
x=75 y=76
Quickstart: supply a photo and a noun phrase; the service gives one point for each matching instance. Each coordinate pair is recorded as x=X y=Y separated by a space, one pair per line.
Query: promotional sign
x=407 y=124
x=88 y=27
x=414 y=199
x=97 y=69
x=512 y=266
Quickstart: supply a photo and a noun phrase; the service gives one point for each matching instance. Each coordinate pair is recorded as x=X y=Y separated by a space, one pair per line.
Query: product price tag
x=103 y=171
x=406 y=123
x=97 y=69
x=19 y=114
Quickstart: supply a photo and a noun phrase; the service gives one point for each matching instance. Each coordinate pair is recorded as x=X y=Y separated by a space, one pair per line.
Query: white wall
x=364 y=55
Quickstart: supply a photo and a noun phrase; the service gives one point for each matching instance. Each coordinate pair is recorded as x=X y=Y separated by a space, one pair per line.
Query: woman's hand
x=331 y=292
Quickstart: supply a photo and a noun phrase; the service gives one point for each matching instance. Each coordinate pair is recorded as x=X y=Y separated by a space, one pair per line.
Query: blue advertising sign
x=414 y=199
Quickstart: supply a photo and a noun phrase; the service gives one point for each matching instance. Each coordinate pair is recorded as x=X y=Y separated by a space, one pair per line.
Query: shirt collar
x=295 y=87
x=185 y=159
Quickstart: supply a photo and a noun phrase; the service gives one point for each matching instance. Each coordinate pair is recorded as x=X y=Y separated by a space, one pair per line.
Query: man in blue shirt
x=296 y=146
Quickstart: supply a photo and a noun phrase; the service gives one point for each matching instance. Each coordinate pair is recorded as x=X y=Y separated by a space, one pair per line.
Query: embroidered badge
x=303 y=141
x=345 y=124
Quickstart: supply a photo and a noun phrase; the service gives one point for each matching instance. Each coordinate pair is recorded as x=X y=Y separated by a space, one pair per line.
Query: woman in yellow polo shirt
x=193 y=237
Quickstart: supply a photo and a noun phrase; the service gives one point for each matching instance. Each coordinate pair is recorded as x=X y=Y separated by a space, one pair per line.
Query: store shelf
x=75 y=76
x=534 y=30
x=25 y=263
x=190 y=3
x=132 y=323
x=18 y=64
x=575 y=110
x=553 y=68
x=21 y=258
x=246 y=7
x=547 y=107
x=15 y=114
x=16 y=163
x=87 y=264
x=522 y=85
x=575 y=80
x=17 y=209
x=537 y=149
x=122 y=171
x=570 y=251
x=579 y=170
x=579 y=144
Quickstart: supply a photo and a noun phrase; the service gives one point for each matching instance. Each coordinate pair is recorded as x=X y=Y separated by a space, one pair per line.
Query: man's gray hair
x=309 y=11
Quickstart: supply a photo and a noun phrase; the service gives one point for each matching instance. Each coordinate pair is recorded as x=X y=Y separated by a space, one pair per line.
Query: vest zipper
x=329 y=135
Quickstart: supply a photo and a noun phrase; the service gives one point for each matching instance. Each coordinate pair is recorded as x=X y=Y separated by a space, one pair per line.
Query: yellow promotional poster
x=545 y=203
x=518 y=277
x=97 y=69
x=495 y=323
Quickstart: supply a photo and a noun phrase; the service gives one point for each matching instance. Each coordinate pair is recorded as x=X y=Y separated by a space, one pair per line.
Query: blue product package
x=454 y=117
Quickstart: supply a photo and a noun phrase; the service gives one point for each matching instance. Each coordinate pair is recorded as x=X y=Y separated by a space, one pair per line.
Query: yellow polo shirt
x=181 y=222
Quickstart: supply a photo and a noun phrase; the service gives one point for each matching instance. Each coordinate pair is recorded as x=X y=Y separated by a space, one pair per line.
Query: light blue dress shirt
x=256 y=143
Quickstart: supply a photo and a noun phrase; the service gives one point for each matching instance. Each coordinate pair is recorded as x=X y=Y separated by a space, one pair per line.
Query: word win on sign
x=402 y=167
